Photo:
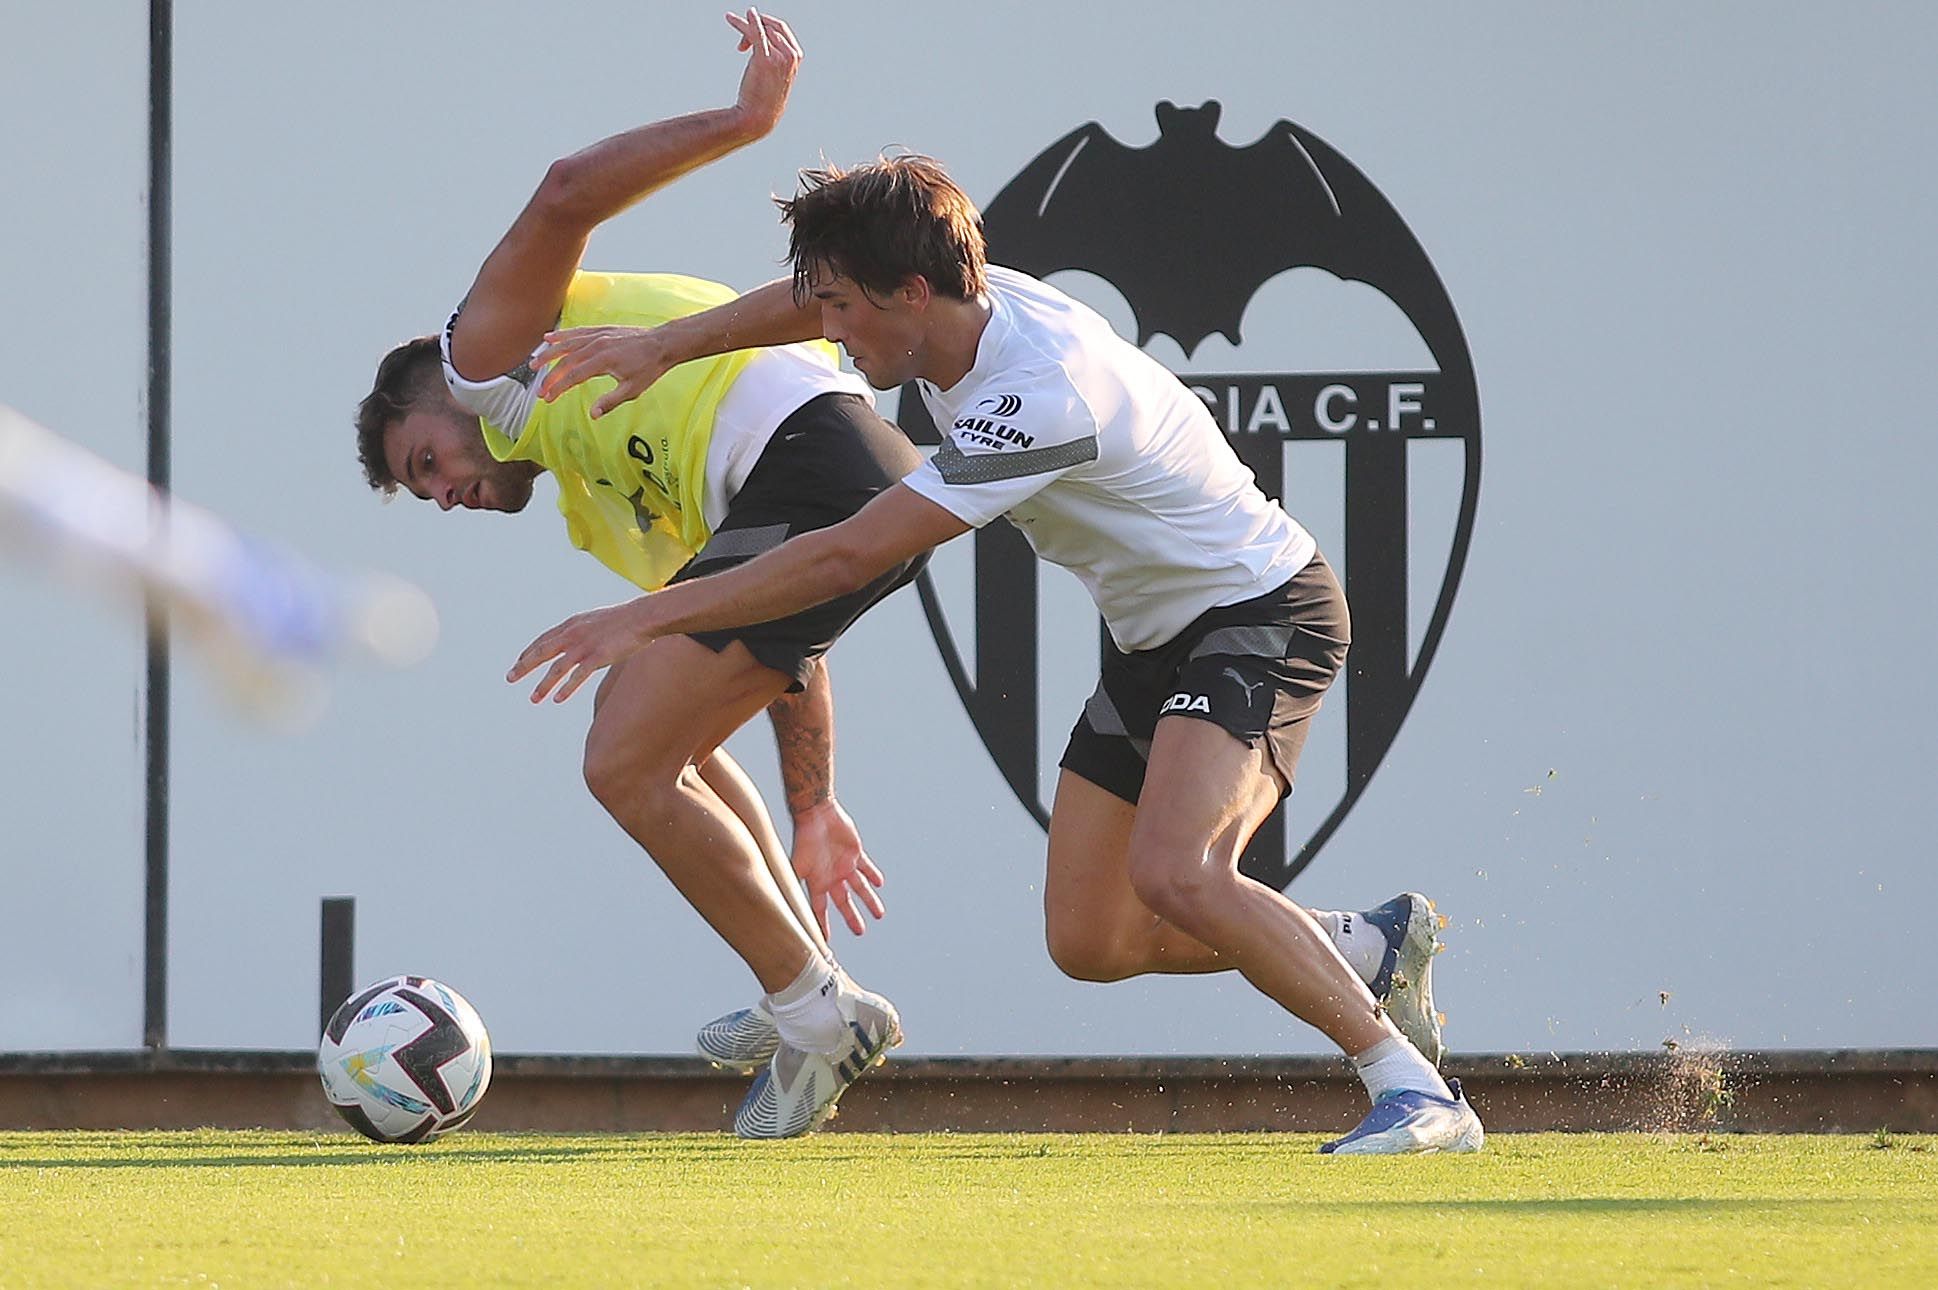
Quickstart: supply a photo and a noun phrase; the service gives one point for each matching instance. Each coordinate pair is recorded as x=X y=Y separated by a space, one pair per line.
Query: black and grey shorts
x=830 y=457
x=1257 y=668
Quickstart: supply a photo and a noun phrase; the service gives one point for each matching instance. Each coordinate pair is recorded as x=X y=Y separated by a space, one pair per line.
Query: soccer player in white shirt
x=1229 y=625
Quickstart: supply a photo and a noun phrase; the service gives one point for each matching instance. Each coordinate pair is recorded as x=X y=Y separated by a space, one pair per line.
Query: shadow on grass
x=1537 y=1207
x=366 y=1155
x=199 y=1150
x=358 y=1154
x=109 y=1151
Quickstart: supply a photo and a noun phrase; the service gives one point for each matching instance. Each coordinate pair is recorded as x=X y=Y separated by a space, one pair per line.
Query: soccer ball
x=405 y=1060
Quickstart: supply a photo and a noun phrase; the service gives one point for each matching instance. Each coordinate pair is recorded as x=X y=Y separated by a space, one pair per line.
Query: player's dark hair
x=880 y=223
x=403 y=378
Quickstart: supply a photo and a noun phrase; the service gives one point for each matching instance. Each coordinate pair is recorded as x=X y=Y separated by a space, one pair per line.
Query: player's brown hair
x=405 y=375
x=882 y=222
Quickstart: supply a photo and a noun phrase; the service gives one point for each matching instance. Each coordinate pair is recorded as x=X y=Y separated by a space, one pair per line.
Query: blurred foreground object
x=267 y=622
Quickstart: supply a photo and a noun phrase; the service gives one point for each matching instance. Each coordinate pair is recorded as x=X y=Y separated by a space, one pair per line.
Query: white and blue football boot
x=744 y=1040
x=1404 y=983
x=797 y=1092
x=1408 y=1122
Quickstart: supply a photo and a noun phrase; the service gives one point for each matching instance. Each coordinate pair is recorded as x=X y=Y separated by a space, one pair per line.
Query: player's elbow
x=563 y=193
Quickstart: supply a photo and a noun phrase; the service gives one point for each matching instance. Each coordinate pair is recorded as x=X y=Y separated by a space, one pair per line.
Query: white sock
x=1394 y=1065
x=805 y=1012
x=1361 y=944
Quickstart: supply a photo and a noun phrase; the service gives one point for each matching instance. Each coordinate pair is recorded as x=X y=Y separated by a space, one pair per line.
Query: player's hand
x=776 y=56
x=583 y=644
x=829 y=859
x=634 y=356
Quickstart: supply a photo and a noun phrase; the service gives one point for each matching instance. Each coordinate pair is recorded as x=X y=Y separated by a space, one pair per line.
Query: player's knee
x=1177 y=888
x=624 y=781
x=605 y=776
x=1083 y=953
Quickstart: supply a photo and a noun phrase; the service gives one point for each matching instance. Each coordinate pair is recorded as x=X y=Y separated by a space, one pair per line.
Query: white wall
x=1679 y=734
x=73 y=327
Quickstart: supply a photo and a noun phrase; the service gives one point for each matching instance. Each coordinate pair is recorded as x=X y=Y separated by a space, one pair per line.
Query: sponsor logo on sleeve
x=987 y=426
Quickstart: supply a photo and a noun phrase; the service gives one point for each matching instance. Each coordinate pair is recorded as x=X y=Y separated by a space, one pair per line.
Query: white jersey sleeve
x=1006 y=446
x=504 y=402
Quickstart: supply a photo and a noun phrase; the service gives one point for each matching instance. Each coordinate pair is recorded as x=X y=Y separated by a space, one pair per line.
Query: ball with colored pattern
x=405 y=1060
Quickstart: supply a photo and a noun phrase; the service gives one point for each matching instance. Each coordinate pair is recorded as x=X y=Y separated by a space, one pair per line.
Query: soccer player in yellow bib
x=723 y=459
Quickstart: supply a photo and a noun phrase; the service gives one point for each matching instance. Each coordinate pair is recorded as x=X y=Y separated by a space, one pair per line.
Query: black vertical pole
x=160 y=131
x=339 y=953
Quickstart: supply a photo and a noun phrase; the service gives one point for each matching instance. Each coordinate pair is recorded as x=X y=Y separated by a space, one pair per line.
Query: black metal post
x=339 y=956
x=160 y=132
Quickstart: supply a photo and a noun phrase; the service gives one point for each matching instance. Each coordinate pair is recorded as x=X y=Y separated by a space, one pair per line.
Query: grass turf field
x=249 y=1209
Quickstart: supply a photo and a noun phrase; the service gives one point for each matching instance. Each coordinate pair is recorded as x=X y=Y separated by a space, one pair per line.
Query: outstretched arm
x=519 y=291
x=801 y=572
x=828 y=855
x=638 y=356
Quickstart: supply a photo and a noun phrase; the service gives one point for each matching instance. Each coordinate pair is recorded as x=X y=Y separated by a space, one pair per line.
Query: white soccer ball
x=405 y=1060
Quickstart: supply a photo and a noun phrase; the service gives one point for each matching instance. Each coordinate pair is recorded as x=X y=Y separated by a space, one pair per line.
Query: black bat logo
x=1190 y=227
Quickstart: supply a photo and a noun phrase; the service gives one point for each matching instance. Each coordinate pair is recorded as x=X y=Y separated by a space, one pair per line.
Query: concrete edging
x=1815 y=1091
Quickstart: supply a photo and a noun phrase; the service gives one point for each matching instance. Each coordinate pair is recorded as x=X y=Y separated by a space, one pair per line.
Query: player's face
x=439 y=455
x=882 y=334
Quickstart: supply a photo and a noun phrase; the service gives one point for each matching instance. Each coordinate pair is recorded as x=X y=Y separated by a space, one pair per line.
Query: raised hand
x=770 y=71
x=634 y=356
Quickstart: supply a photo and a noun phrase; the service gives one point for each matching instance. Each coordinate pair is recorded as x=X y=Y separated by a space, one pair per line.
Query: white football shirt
x=1107 y=464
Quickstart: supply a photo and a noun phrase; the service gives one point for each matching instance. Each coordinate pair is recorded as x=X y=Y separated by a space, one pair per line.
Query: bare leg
x=660 y=714
x=1204 y=796
x=1098 y=930
x=724 y=775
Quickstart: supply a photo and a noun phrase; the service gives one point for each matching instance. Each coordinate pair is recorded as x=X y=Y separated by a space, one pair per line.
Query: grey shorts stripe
x=957 y=467
x=1247 y=641
x=1104 y=718
x=742 y=542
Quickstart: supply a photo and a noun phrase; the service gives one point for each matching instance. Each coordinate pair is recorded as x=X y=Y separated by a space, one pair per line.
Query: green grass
x=250 y=1209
